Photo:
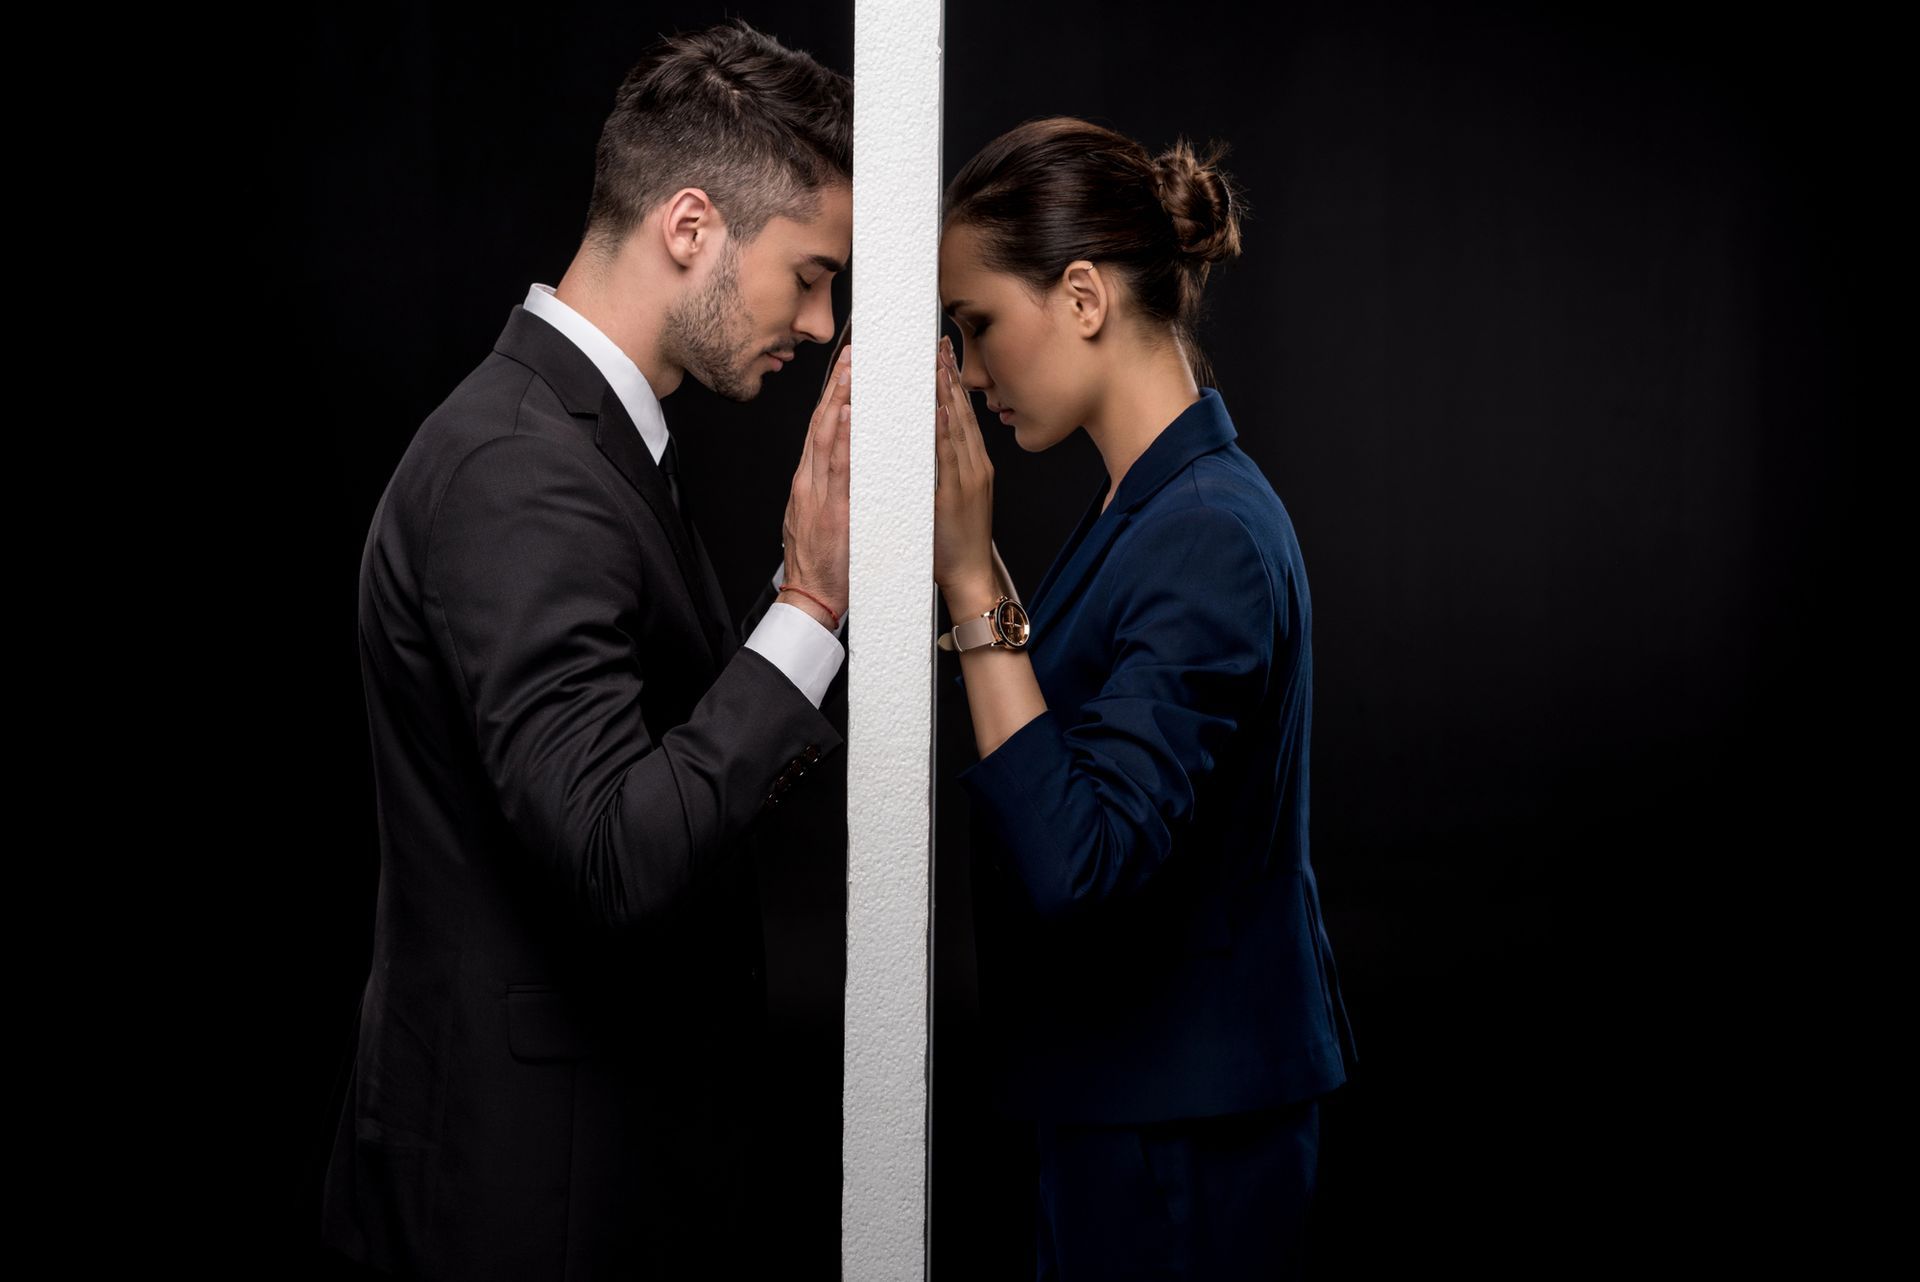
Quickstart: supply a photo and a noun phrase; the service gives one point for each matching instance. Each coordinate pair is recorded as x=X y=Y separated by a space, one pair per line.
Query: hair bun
x=1200 y=199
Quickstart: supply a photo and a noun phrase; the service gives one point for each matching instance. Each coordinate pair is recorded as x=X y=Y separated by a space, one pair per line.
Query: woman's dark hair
x=757 y=126
x=1060 y=188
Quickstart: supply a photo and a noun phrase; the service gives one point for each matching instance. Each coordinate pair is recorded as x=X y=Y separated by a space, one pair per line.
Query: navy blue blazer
x=1150 y=938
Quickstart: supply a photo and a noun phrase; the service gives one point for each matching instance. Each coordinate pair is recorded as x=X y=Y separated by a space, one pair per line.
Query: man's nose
x=816 y=318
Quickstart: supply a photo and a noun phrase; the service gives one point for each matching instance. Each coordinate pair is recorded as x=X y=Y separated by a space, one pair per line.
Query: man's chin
x=748 y=390
x=741 y=387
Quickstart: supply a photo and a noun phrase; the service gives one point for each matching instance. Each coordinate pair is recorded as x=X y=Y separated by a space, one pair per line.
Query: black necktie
x=670 y=464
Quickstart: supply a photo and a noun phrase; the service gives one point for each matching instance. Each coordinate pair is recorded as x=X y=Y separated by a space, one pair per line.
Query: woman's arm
x=1086 y=806
x=1002 y=693
x=1001 y=690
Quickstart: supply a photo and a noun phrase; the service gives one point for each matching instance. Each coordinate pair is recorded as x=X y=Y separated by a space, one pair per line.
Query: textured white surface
x=896 y=301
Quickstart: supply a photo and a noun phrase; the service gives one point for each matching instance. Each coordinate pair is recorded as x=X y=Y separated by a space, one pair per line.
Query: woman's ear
x=1087 y=296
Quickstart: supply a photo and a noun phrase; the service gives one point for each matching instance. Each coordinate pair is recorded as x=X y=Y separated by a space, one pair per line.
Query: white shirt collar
x=628 y=383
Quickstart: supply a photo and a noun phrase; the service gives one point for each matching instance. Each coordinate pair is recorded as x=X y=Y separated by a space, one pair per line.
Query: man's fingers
x=842 y=446
x=839 y=391
x=821 y=424
x=827 y=418
x=834 y=386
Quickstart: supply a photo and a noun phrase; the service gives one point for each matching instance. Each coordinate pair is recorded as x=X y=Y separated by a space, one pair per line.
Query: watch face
x=1010 y=624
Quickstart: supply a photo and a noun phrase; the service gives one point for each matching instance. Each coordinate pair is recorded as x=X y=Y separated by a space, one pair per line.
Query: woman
x=1153 y=964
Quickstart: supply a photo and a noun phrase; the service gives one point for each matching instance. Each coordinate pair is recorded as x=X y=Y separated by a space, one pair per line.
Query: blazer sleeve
x=534 y=572
x=1086 y=800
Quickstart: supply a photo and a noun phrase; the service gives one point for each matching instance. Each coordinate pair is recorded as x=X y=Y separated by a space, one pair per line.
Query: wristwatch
x=1004 y=626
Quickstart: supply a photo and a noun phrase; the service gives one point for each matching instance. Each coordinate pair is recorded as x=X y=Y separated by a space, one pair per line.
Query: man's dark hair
x=759 y=127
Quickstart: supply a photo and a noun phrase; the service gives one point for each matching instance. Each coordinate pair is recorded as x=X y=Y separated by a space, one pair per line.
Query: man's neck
x=634 y=327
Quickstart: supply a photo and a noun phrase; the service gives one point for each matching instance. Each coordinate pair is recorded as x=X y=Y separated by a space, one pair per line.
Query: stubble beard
x=706 y=333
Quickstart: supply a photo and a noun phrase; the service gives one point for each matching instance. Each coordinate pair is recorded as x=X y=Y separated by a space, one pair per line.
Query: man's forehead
x=817 y=242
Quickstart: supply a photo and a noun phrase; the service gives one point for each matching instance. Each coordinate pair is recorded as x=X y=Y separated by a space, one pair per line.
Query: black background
x=1547 y=333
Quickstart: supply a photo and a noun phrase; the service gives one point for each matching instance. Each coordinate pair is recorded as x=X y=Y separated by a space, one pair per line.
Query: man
x=571 y=748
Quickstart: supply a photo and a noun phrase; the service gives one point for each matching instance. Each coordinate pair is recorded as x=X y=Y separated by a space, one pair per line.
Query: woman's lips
x=1006 y=415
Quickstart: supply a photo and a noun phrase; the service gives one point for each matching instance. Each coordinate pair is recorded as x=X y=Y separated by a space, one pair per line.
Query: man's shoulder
x=500 y=398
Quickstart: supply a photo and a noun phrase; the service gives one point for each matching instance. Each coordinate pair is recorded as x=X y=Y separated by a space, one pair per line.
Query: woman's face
x=1024 y=353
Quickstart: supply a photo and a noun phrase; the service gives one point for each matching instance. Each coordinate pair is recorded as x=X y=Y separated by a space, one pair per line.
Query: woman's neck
x=1146 y=391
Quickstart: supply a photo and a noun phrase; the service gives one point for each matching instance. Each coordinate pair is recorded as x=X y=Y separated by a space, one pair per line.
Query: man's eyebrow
x=831 y=264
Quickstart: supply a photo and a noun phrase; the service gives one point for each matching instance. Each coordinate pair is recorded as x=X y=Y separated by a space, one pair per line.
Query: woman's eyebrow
x=956 y=303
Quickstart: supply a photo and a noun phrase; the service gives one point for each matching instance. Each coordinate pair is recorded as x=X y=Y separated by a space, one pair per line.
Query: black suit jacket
x=572 y=755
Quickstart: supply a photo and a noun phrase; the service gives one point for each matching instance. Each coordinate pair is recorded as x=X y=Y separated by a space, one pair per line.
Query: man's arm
x=795 y=641
x=769 y=595
x=535 y=585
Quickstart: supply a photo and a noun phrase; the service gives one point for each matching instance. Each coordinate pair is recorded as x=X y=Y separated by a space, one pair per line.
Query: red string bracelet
x=788 y=587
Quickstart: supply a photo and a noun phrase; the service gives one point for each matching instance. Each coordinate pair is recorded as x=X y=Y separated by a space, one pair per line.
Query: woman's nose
x=973 y=371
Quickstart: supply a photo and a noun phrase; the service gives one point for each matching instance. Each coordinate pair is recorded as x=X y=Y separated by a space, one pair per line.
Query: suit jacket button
x=813 y=752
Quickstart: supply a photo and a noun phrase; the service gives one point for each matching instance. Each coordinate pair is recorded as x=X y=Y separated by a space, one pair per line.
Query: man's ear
x=690 y=226
x=1087 y=295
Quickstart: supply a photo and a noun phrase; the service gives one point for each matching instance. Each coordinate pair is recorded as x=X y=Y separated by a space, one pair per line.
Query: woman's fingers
x=951 y=417
x=943 y=451
x=971 y=449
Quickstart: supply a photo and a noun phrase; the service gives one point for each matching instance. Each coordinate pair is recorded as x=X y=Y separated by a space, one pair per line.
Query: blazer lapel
x=586 y=394
x=624 y=447
x=1082 y=551
x=1201 y=428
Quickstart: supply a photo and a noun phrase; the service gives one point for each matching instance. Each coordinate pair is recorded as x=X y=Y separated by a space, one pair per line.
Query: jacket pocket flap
x=546 y=1023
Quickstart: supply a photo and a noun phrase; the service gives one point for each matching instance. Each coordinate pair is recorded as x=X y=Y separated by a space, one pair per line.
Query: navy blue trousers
x=1202 y=1198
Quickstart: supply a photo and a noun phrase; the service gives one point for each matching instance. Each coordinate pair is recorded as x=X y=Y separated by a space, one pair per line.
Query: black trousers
x=1202 y=1198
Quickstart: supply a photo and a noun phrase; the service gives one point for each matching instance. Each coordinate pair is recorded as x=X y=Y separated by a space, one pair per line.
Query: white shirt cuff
x=801 y=647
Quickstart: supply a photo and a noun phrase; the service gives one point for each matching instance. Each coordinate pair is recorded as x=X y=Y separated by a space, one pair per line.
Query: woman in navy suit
x=1154 y=971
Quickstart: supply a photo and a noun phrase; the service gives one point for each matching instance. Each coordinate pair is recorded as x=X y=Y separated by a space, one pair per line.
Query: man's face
x=763 y=299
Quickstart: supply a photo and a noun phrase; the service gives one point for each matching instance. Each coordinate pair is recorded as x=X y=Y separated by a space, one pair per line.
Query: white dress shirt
x=787 y=636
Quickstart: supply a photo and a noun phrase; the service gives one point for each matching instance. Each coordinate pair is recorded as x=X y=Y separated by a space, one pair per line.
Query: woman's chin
x=1030 y=441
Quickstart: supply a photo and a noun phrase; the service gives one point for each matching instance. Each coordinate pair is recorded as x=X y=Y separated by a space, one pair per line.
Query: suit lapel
x=624 y=447
x=1200 y=429
x=586 y=394
x=1082 y=551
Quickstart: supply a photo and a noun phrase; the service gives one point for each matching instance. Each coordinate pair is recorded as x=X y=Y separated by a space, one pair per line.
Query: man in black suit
x=571 y=746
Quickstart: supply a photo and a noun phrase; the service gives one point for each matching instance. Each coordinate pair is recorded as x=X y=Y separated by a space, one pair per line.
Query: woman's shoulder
x=1224 y=483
